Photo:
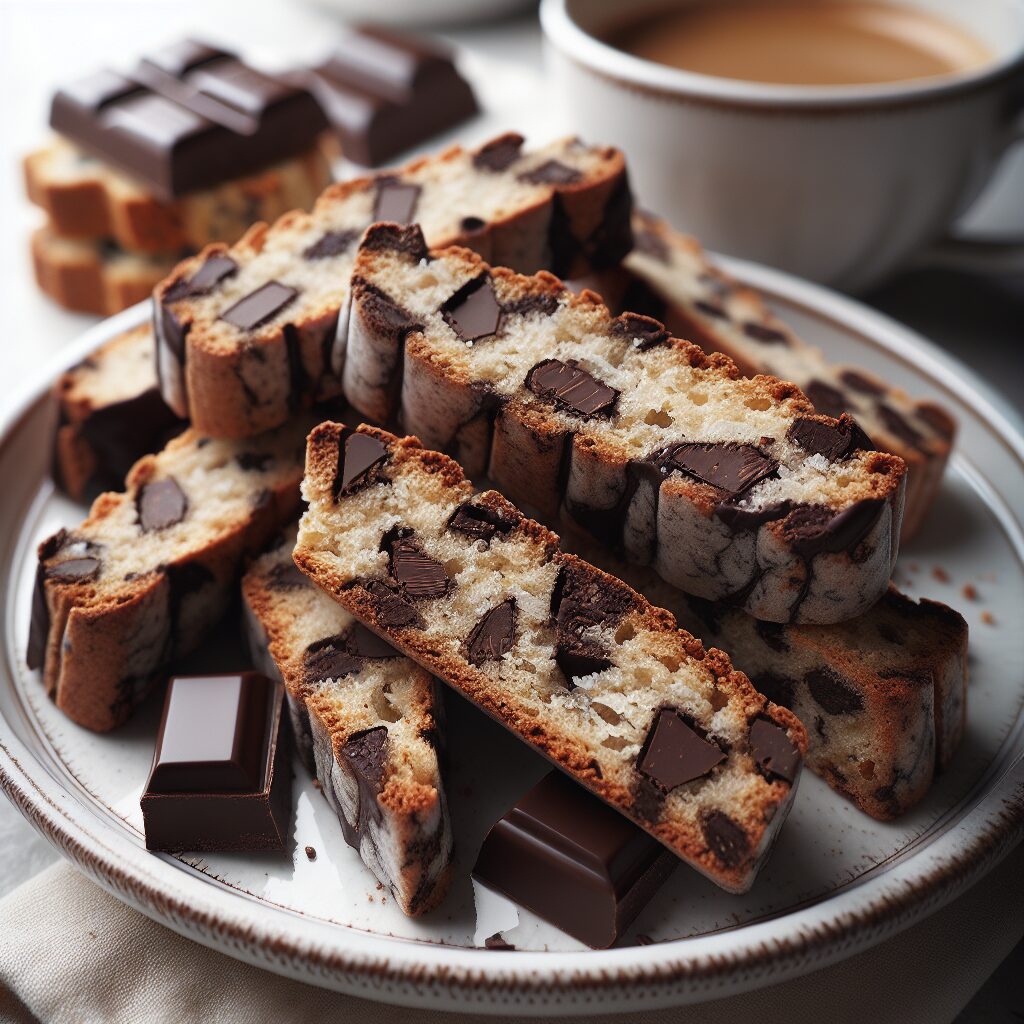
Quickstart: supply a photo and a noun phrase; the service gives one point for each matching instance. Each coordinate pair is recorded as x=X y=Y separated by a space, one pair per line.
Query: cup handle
x=978 y=254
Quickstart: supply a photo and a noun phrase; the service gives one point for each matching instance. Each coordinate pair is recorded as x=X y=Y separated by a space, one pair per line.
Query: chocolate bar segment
x=221 y=775
x=383 y=92
x=572 y=860
x=188 y=117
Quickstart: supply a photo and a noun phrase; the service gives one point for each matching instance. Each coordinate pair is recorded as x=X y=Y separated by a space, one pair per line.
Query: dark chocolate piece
x=833 y=441
x=495 y=941
x=478 y=522
x=895 y=422
x=859 y=382
x=499 y=154
x=733 y=468
x=778 y=689
x=493 y=636
x=571 y=388
x=572 y=860
x=766 y=335
x=396 y=201
x=329 y=659
x=286 y=577
x=532 y=302
x=364 y=643
x=204 y=280
x=473 y=312
x=384 y=92
x=814 y=529
x=189 y=117
x=650 y=243
x=644 y=331
x=259 y=306
x=419 y=575
x=358 y=457
x=333 y=243
x=365 y=754
x=773 y=751
x=726 y=840
x=161 y=504
x=221 y=775
x=551 y=172
x=711 y=309
x=393 y=610
x=826 y=399
x=833 y=693
x=675 y=752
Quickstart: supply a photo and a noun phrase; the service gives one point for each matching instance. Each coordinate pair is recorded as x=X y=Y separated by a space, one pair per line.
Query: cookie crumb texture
x=151 y=570
x=734 y=489
x=248 y=333
x=366 y=725
x=668 y=276
x=571 y=660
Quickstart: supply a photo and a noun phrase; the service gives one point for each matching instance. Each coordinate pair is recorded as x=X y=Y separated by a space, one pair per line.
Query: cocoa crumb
x=311 y=853
x=940 y=574
x=970 y=591
x=988 y=618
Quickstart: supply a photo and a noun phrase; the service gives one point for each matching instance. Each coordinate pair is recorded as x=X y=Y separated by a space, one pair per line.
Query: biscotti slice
x=571 y=660
x=147 y=575
x=88 y=200
x=733 y=488
x=95 y=277
x=111 y=414
x=246 y=334
x=883 y=696
x=668 y=276
x=365 y=721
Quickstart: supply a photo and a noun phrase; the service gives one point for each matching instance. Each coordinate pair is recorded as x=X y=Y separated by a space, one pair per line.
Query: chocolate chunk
x=833 y=693
x=385 y=91
x=897 y=425
x=181 y=126
x=726 y=840
x=285 y=577
x=254 y=462
x=204 y=280
x=472 y=225
x=733 y=468
x=711 y=309
x=419 y=575
x=393 y=610
x=551 y=172
x=859 y=382
x=221 y=777
x=396 y=201
x=743 y=520
x=815 y=529
x=644 y=332
x=479 y=522
x=310 y=853
x=572 y=860
x=571 y=388
x=365 y=752
x=498 y=154
x=329 y=659
x=161 y=504
x=766 y=335
x=650 y=243
x=774 y=752
x=333 y=243
x=938 y=419
x=364 y=643
x=495 y=941
x=825 y=398
x=778 y=689
x=832 y=440
x=493 y=636
x=380 y=310
x=675 y=752
x=543 y=303
x=473 y=312
x=259 y=306
x=74 y=570
x=359 y=455
x=773 y=634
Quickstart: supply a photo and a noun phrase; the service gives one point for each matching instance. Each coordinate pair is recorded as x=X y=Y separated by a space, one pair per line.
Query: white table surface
x=46 y=42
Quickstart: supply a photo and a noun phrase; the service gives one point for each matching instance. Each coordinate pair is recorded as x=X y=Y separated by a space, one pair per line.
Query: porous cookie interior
x=664 y=394
x=122 y=368
x=312 y=254
x=632 y=661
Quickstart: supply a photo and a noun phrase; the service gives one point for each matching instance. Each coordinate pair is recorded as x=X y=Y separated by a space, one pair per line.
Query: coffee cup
x=841 y=184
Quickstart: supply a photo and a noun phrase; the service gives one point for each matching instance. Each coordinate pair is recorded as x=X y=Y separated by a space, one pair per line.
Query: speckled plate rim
x=985 y=827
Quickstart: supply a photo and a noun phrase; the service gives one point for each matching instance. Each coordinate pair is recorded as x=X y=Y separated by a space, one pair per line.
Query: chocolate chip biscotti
x=571 y=660
x=883 y=696
x=667 y=276
x=365 y=722
x=150 y=571
x=110 y=415
x=86 y=199
x=248 y=333
x=732 y=488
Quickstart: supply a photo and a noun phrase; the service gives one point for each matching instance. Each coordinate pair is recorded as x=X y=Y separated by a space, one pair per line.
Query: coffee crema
x=803 y=42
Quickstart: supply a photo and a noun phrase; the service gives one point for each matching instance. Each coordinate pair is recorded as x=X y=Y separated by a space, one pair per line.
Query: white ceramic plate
x=837 y=882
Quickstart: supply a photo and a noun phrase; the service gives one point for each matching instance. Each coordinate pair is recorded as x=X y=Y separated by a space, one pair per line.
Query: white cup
x=840 y=184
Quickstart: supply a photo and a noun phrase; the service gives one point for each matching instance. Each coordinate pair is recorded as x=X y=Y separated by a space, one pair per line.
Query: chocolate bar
x=384 y=92
x=187 y=117
x=221 y=775
x=572 y=860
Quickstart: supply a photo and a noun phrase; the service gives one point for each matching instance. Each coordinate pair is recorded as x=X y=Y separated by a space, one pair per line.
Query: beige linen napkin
x=71 y=953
